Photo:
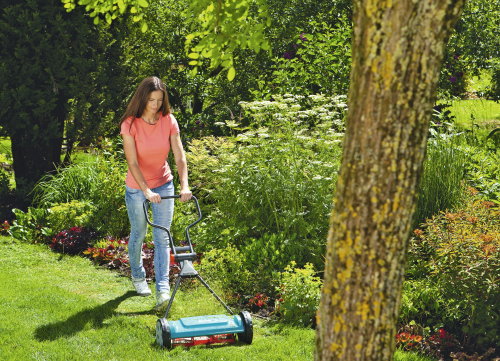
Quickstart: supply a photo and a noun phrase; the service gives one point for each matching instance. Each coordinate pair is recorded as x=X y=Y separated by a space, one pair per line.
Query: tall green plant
x=99 y=181
x=441 y=186
x=269 y=189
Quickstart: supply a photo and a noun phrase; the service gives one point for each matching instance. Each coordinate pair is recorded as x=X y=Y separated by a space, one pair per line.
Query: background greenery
x=263 y=151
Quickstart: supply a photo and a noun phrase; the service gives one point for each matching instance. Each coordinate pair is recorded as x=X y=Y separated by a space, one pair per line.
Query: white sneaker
x=162 y=299
x=141 y=287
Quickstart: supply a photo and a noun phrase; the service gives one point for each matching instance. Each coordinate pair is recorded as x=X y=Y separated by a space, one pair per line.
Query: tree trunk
x=397 y=51
x=35 y=154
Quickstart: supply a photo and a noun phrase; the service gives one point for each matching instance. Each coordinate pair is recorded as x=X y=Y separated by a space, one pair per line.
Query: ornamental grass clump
x=441 y=186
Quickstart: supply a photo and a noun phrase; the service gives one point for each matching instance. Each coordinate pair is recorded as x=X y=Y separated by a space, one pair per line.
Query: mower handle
x=195 y=200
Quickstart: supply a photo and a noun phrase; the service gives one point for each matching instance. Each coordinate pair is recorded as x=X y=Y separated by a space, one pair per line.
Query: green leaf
x=194 y=55
x=143 y=3
x=121 y=6
x=96 y=20
x=231 y=73
x=144 y=27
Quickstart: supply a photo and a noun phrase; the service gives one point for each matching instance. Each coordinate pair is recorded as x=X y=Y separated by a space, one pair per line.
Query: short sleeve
x=174 y=126
x=126 y=127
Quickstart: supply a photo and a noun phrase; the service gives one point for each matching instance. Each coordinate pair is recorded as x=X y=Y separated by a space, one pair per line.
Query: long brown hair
x=137 y=104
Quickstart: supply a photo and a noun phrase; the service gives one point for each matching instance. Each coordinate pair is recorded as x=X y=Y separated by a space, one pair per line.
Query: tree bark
x=35 y=154
x=397 y=52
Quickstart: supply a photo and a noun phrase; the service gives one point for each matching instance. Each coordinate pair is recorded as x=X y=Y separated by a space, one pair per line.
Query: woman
x=149 y=130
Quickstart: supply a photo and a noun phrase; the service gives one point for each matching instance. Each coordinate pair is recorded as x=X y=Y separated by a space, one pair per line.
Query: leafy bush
x=225 y=267
x=421 y=300
x=269 y=192
x=72 y=241
x=458 y=253
x=31 y=226
x=72 y=214
x=205 y=159
x=4 y=182
x=98 y=181
x=7 y=195
x=300 y=294
x=482 y=169
x=301 y=68
x=281 y=186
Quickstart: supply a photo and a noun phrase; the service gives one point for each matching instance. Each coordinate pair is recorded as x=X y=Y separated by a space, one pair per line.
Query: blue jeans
x=162 y=215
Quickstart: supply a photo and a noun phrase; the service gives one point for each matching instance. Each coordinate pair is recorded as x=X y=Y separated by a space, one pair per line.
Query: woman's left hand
x=185 y=195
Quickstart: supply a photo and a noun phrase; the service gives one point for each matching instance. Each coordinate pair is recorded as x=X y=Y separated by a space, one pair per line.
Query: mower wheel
x=247 y=335
x=163 y=333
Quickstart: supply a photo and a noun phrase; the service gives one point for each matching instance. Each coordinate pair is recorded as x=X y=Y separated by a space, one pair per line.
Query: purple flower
x=288 y=55
x=303 y=37
x=453 y=79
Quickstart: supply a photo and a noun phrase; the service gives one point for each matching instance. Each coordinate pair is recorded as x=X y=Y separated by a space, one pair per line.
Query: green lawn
x=63 y=308
x=485 y=113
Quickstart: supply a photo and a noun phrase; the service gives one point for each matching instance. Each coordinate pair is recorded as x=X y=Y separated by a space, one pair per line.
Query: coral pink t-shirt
x=152 y=144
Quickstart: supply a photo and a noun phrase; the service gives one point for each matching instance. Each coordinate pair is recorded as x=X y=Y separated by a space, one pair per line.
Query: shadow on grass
x=76 y=323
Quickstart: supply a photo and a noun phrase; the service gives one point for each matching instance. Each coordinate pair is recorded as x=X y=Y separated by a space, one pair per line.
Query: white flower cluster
x=325 y=112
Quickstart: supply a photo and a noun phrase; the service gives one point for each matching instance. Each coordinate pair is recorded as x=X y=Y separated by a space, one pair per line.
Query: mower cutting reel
x=191 y=331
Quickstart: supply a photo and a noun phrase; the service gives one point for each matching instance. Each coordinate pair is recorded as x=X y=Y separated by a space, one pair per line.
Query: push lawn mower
x=190 y=331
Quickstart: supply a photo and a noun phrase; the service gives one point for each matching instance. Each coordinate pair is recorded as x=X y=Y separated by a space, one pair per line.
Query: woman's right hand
x=152 y=196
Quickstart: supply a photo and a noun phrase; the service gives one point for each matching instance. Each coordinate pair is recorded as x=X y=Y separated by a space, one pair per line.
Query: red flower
x=442 y=333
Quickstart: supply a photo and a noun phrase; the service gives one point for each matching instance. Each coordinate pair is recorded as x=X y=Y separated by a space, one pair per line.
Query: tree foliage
x=222 y=26
x=41 y=68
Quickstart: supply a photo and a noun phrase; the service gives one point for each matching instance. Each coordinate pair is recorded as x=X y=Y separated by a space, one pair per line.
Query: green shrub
x=482 y=169
x=300 y=294
x=98 y=181
x=71 y=214
x=302 y=68
x=421 y=302
x=268 y=191
x=7 y=197
x=31 y=226
x=458 y=254
x=78 y=181
x=226 y=268
x=204 y=159
x=282 y=186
